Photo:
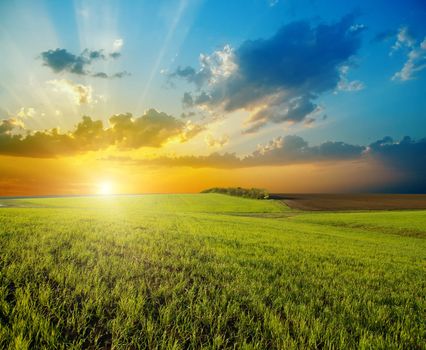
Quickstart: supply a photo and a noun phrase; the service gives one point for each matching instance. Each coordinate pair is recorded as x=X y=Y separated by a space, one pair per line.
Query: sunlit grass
x=212 y=271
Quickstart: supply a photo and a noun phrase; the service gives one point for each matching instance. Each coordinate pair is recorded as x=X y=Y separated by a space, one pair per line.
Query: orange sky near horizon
x=85 y=175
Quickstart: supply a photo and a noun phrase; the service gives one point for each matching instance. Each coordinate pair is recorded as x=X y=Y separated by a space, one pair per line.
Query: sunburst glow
x=105 y=188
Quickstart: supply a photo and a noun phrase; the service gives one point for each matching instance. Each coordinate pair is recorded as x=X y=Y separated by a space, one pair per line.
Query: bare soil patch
x=337 y=202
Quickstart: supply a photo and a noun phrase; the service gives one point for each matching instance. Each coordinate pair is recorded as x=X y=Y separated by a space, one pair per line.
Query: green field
x=208 y=271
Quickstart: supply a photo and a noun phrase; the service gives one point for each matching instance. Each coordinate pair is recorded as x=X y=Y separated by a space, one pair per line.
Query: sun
x=105 y=188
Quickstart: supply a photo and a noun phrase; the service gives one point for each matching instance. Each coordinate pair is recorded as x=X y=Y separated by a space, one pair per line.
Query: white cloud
x=214 y=68
x=26 y=113
x=357 y=27
x=403 y=39
x=216 y=142
x=416 y=55
x=345 y=84
x=221 y=64
x=80 y=94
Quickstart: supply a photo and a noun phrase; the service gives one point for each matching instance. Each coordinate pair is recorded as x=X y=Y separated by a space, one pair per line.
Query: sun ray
x=155 y=69
x=22 y=66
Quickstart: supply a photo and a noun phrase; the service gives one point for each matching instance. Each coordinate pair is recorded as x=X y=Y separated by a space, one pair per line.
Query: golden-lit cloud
x=26 y=113
x=80 y=94
x=152 y=129
x=216 y=142
x=8 y=125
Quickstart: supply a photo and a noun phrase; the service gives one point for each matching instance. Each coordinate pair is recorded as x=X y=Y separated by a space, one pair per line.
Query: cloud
x=26 y=113
x=120 y=74
x=216 y=142
x=214 y=68
x=100 y=75
x=187 y=100
x=406 y=157
x=345 y=84
x=276 y=79
x=80 y=94
x=403 y=39
x=10 y=124
x=94 y=55
x=415 y=53
x=285 y=150
x=115 y=55
x=152 y=129
x=60 y=61
x=295 y=110
x=112 y=76
x=187 y=115
x=294 y=149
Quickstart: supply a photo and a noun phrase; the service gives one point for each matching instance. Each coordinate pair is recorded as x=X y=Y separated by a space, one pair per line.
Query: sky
x=178 y=96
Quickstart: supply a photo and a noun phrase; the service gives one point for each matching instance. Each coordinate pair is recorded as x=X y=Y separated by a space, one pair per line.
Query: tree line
x=255 y=193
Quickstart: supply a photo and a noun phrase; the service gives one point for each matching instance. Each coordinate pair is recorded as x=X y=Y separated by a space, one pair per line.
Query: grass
x=208 y=271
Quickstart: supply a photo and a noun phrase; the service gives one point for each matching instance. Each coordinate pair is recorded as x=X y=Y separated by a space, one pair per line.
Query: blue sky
x=160 y=35
x=251 y=71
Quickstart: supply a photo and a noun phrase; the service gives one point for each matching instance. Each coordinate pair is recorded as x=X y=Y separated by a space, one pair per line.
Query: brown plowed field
x=336 y=202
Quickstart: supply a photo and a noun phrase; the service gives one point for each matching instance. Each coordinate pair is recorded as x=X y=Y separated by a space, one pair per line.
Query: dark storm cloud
x=407 y=157
x=60 y=60
x=152 y=129
x=281 y=77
